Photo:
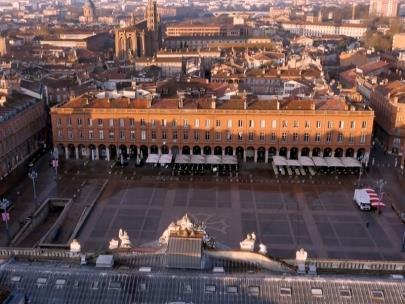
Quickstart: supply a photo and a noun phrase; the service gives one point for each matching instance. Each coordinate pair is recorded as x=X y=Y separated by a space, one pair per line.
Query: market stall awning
x=213 y=159
x=198 y=159
x=165 y=159
x=152 y=159
x=305 y=161
x=182 y=159
x=229 y=160
x=350 y=162
x=333 y=162
x=319 y=161
x=279 y=160
x=293 y=162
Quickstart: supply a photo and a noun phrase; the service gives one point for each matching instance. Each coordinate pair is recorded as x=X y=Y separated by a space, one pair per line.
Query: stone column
x=234 y=152
x=223 y=152
x=310 y=153
x=96 y=154
x=67 y=152
x=107 y=151
x=266 y=157
x=88 y=151
x=92 y=154
x=128 y=152
x=255 y=156
x=288 y=154
x=77 y=152
x=277 y=152
x=244 y=156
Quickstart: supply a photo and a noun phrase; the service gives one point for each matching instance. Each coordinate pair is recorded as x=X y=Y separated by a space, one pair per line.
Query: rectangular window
x=164 y=135
x=132 y=135
x=295 y=124
x=122 y=135
x=273 y=137
x=229 y=123
x=111 y=134
x=60 y=135
x=197 y=123
x=330 y=125
x=174 y=123
x=284 y=136
x=207 y=135
x=100 y=122
x=228 y=136
x=153 y=135
x=196 y=135
x=69 y=134
x=69 y=121
x=251 y=123
x=262 y=124
x=250 y=136
x=352 y=124
x=185 y=135
x=318 y=124
x=122 y=122
x=208 y=123
x=79 y=121
x=111 y=123
x=131 y=122
x=340 y=137
x=363 y=138
x=306 y=137
x=240 y=136
x=153 y=123
x=101 y=134
x=341 y=124
x=218 y=123
x=174 y=135
x=143 y=135
x=274 y=124
x=89 y=122
x=285 y=124
x=328 y=137
x=307 y=124
x=261 y=136
x=164 y=123
x=295 y=137
x=59 y=122
x=317 y=137
x=143 y=123
x=90 y=134
x=364 y=124
x=240 y=123
x=185 y=123
x=217 y=136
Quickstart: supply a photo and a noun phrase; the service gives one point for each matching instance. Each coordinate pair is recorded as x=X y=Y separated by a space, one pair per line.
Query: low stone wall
x=47 y=239
x=37 y=218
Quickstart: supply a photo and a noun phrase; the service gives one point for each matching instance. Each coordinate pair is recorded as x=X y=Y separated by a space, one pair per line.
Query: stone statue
x=185 y=227
x=262 y=249
x=248 y=244
x=124 y=238
x=75 y=246
x=113 y=244
x=301 y=255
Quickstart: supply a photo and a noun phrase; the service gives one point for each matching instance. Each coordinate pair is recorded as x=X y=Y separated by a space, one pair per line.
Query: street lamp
x=33 y=175
x=4 y=203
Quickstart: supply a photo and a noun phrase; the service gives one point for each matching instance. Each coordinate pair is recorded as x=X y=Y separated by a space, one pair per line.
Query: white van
x=362 y=199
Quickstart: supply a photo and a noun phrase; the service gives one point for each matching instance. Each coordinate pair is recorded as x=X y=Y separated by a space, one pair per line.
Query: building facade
x=383 y=8
x=320 y=29
x=388 y=102
x=22 y=120
x=254 y=130
x=142 y=39
x=89 y=12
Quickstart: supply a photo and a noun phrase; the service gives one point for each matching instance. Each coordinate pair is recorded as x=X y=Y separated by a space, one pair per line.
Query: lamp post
x=33 y=175
x=5 y=215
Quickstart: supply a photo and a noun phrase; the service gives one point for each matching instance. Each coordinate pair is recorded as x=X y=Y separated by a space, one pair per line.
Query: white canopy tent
x=305 y=161
x=229 y=160
x=152 y=159
x=213 y=159
x=198 y=159
x=319 y=161
x=350 y=162
x=334 y=162
x=165 y=159
x=182 y=159
x=280 y=160
x=293 y=163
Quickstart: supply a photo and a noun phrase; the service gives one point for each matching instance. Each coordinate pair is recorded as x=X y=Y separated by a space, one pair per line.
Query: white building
x=320 y=29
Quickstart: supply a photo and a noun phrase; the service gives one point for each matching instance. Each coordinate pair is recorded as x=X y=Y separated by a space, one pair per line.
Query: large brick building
x=22 y=121
x=198 y=120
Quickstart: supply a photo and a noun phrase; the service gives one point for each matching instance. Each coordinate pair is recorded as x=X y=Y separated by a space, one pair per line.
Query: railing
x=37 y=253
